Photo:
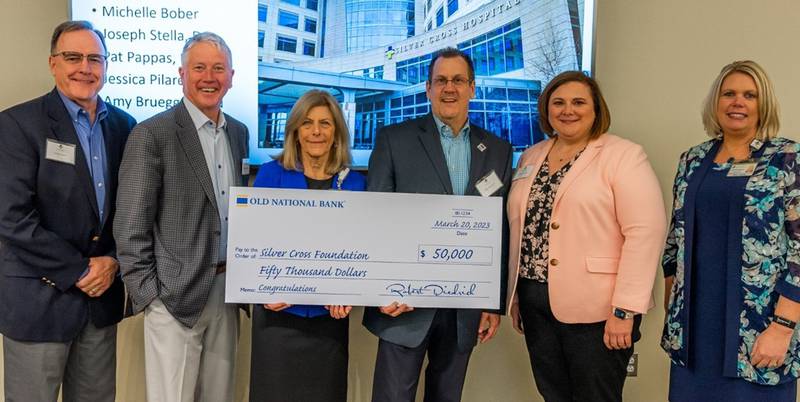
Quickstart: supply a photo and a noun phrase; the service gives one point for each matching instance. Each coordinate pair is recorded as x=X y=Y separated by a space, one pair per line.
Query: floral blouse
x=535 y=233
x=769 y=260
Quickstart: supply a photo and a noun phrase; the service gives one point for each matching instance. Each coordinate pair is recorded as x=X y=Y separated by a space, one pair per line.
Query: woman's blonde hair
x=339 y=156
x=768 y=118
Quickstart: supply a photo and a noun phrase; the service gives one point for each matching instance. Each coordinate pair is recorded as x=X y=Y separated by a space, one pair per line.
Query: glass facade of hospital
x=497 y=52
x=506 y=59
x=376 y=23
x=506 y=112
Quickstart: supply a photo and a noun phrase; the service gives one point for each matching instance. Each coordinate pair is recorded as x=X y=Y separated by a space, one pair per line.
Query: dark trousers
x=570 y=362
x=298 y=358
x=397 y=367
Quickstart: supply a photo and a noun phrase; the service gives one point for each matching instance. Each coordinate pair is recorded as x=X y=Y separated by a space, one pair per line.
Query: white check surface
x=361 y=248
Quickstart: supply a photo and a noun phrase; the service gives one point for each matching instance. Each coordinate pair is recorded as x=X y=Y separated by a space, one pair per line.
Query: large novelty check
x=359 y=248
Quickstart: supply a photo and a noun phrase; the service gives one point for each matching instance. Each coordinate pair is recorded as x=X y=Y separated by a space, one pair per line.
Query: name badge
x=60 y=152
x=488 y=184
x=742 y=169
x=245 y=166
x=523 y=172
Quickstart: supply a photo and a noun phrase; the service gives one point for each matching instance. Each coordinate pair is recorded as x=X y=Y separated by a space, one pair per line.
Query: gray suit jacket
x=408 y=158
x=167 y=226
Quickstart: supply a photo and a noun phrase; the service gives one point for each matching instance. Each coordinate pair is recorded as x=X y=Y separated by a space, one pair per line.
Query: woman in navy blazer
x=300 y=352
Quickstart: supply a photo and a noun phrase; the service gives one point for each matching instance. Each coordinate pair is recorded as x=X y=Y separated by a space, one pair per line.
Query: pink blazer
x=607 y=230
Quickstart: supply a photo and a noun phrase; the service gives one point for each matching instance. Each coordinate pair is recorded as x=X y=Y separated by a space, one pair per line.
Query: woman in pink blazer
x=587 y=223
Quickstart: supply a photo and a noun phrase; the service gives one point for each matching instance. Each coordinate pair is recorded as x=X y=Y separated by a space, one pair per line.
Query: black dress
x=302 y=358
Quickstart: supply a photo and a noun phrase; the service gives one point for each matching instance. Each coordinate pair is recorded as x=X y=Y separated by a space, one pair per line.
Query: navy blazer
x=273 y=175
x=50 y=225
x=408 y=158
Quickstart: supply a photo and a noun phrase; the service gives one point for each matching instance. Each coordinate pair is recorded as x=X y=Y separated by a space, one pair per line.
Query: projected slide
x=145 y=39
x=372 y=56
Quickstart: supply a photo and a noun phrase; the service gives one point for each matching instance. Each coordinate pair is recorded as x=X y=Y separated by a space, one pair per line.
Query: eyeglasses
x=458 y=82
x=77 y=58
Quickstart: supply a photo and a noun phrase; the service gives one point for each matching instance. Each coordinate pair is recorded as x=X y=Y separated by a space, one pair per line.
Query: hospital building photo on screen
x=373 y=56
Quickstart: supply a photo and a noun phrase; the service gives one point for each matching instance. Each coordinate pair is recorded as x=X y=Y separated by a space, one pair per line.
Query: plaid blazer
x=168 y=226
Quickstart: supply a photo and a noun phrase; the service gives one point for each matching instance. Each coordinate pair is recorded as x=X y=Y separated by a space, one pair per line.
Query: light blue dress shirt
x=457 y=154
x=214 y=141
x=90 y=135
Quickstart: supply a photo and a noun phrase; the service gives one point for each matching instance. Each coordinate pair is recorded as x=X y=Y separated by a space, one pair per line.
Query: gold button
x=96 y=238
x=554 y=262
x=44 y=279
x=554 y=225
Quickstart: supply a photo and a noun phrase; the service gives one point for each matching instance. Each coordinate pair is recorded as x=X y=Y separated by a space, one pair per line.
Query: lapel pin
x=481 y=147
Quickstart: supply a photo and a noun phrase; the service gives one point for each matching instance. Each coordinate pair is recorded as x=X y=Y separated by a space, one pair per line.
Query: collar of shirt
x=446 y=132
x=200 y=119
x=75 y=110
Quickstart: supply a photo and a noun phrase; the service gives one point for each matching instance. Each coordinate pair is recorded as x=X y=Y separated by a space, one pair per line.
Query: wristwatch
x=784 y=322
x=622 y=314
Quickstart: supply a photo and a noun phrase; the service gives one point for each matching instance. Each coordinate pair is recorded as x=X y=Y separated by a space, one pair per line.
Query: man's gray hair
x=72 y=26
x=207 y=37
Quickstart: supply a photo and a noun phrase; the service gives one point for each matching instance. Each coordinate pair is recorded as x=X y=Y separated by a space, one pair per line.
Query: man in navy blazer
x=441 y=153
x=60 y=294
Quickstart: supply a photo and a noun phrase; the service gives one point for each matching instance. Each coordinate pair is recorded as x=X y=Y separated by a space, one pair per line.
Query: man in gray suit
x=441 y=153
x=172 y=226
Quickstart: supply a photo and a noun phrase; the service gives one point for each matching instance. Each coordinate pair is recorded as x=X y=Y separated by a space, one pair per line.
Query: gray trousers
x=34 y=371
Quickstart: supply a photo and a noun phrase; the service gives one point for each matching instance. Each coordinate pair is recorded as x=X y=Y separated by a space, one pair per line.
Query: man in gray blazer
x=171 y=230
x=441 y=153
